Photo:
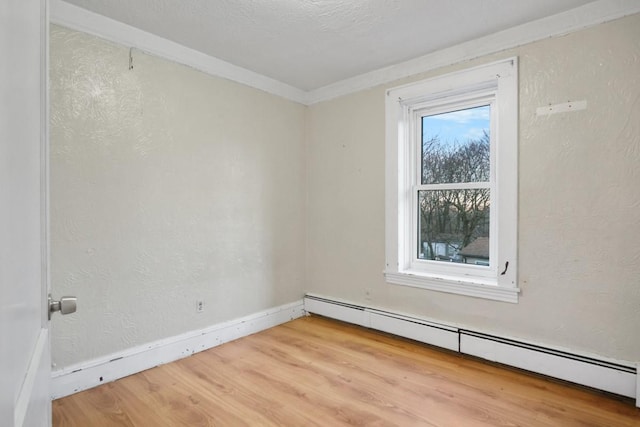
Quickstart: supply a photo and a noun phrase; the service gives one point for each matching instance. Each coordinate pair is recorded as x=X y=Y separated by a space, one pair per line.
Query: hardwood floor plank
x=319 y=372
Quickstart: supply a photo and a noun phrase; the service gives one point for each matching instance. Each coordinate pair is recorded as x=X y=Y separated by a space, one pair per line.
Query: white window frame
x=494 y=84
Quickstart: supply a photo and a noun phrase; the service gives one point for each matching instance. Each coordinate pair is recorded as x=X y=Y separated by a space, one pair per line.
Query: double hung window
x=451 y=182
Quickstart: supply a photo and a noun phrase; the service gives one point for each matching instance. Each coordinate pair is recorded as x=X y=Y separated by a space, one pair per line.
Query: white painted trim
x=477 y=290
x=574 y=370
x=620 y=377
x=598 y=12
x=35 y=367
x=76 y=18
x=495 y=83
x=638 y=385
x=564 y=23
x=92 y=373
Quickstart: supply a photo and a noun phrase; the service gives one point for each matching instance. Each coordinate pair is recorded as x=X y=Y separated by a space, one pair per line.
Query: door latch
x=66 y=305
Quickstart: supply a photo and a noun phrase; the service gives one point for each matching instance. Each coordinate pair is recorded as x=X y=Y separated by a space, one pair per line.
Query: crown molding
x=561 y=24
x=77 y=18
x=591 y=14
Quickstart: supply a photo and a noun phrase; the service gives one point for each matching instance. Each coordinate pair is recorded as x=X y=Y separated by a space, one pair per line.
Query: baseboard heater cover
x=393 y=323
x=619 y=378
x=612 y=377
x=336 y=310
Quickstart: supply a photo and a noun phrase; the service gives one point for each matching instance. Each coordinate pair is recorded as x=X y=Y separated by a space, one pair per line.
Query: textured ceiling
x=309 y=44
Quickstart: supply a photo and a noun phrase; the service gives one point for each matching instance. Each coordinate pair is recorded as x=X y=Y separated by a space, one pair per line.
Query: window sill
x=454 y=286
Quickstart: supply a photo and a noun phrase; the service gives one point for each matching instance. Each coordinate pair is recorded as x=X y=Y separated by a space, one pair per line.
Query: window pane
x=453 y=225
x=455 y=146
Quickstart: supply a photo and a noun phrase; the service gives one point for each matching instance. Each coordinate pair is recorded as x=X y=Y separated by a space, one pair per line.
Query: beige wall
x=579 y=200
x=167 y=186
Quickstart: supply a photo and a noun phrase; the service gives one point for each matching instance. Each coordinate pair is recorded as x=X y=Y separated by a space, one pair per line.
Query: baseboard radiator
x=615 y=377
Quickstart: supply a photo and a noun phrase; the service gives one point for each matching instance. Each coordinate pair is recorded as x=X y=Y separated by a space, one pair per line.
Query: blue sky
x=461 y=125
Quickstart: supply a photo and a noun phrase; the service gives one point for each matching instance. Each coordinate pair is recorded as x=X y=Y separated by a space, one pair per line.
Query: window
x=452 y=182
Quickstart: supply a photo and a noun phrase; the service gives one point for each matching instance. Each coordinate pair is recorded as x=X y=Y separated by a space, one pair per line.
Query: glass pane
x=453 y=225
x=455 y=146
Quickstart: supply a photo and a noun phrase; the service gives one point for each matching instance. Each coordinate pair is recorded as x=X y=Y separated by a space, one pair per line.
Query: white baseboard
x=619 y=377
x=95 y=372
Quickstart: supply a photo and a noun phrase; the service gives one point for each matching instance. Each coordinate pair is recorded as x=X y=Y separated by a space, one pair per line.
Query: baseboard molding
x=617 y=377
x=118 y=365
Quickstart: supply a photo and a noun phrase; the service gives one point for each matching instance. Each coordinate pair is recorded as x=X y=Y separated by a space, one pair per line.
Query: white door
x=25 y=362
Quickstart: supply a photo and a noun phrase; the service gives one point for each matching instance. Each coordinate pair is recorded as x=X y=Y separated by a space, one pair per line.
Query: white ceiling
x=310 y=44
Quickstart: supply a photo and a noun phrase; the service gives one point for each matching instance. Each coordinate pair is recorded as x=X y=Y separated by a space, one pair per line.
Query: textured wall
x=167 y=186
x=579 y=202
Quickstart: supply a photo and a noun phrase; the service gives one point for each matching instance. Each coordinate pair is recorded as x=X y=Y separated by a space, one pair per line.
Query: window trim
x=497 y=80
x=413 y=142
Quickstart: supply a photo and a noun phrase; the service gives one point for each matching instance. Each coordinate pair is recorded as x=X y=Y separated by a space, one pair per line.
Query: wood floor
x=319 y=372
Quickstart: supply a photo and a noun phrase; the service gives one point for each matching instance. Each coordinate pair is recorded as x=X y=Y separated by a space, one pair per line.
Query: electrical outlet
x=199 y=306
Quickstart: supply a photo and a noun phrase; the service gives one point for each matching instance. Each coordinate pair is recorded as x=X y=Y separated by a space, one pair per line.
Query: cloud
x=474 y=133
x=464 y=116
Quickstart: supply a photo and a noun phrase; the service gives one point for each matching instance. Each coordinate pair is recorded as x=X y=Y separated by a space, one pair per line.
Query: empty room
x=320 y=212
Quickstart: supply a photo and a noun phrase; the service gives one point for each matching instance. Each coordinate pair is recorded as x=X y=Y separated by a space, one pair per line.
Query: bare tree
x=454 y=217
